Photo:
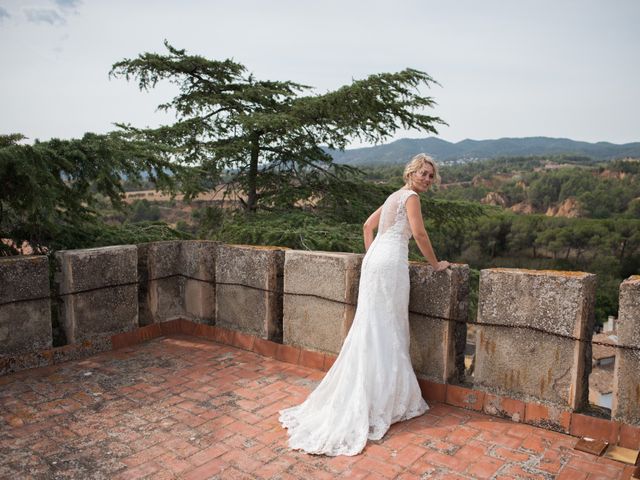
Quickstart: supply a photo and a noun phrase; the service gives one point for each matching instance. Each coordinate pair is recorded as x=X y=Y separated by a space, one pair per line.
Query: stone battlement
x=534 y=328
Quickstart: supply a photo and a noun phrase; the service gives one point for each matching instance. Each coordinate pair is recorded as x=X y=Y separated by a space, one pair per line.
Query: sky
x=556 y=68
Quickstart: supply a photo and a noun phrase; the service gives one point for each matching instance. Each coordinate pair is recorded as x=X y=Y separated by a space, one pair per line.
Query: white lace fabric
x=372 y=383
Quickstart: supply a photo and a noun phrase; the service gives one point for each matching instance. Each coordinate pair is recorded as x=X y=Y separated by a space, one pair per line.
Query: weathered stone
x=320 y=295
x=25 y=311
x=530 y=361
x=198 y=270
x=249 y=282
x=626 y=377
x=160 y=282
x=99 y=292
x=438 y=306
x=177 y=281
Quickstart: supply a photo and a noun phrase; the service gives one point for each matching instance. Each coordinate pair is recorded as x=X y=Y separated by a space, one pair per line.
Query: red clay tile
x=569 y=473
x=125 y=339
x=224 y=335
x=329 y=360
x=190 y=408
x=598 y=428
x=548 y=417
x=288 y=353
x=243 y=341
x=432 y=391
x=265 y=348
x=149 y=332
x=629 y=436
x=187 y=327
x=311 y=359
x=485 y=467
x=504 y=407
x=464 y=397
x=170 y=327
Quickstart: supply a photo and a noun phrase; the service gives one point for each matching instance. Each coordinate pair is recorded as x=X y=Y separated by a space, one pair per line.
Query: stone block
x=198 y=272
x=249 y=283
x=177 y=281
x=438 y=309
x=161 y=286
x=98 y=290
x=25 y=311
x=626 y=376
x=320 y=295
x=531 y=362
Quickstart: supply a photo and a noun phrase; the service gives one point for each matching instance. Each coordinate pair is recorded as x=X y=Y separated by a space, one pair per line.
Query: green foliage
x=51 y=189
x=266 y=136
x=300 y=230
x=143 y=210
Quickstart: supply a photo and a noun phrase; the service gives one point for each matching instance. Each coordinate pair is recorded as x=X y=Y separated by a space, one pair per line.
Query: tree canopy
x=267 y=139
x=50 y=189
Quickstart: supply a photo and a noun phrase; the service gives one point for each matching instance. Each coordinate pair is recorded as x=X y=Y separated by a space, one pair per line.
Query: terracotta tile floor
x=182 y=407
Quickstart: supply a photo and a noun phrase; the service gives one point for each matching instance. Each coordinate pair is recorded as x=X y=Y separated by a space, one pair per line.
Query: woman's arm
x=370 y=226
x=420 y=234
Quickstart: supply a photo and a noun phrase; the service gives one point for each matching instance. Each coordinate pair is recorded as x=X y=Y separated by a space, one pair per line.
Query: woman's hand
x=442 y=265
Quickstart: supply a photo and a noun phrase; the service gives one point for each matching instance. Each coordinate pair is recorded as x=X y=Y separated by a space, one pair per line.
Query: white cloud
x=44 y=15
x=68 y=4
x=3 y=14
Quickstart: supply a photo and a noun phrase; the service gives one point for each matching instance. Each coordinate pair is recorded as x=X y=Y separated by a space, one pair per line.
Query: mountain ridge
x=399 y=151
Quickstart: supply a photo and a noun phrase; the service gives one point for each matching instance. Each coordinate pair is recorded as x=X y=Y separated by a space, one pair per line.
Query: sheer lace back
x=393 y=219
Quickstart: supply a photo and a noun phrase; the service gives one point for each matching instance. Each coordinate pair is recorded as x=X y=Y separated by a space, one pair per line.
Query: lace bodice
x=393 y=219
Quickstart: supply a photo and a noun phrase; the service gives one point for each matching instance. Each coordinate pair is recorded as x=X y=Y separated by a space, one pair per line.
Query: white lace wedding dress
x=371 y=384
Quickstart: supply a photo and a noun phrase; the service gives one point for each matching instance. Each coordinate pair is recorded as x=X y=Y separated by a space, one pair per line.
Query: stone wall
x=25 y=313
x=177 y=280
x=98 y=291
x=249 y=284
x=438 y=306
x=320 y=293
x=535 y=357
x=626 y=387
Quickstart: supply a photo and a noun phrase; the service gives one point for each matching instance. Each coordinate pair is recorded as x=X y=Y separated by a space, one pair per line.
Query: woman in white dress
x=372 y=383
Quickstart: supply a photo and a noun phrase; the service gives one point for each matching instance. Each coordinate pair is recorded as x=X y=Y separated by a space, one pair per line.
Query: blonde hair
x=416 y=163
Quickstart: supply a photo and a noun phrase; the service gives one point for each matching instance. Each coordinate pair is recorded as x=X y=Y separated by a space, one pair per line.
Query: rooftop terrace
x=171 y=360
x=179 y=406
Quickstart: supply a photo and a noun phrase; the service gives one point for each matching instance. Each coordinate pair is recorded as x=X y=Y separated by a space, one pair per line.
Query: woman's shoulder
x=407 y=192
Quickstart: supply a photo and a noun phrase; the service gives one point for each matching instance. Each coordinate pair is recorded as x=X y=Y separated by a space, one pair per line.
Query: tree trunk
x=252 y=200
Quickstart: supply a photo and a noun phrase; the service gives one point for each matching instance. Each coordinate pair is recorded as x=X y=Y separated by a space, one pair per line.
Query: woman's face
x=422 y=179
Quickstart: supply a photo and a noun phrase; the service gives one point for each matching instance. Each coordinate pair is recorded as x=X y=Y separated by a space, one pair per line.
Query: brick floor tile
x=144 y=456
x=484 y=467
x=461 y=435
x=140 y=471
x=179 y=407
x=408 y=455
x=457 y=464
x=207 y=470
x=569 y=473
x=508 y=454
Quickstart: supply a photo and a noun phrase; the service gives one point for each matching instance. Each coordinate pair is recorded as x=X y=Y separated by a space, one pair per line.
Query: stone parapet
x=626 y=377
x=177 y=280
x=249 y=285
x=320 y=295
x=438 y=306
x=541 y=350
x=25 y=312
x=98 y=291
x=198 y=269
x=160 y=292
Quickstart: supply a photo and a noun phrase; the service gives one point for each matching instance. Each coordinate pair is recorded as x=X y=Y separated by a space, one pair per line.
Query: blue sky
x=563 y=68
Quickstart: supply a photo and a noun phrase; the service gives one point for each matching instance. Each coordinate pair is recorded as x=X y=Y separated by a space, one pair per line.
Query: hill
x=400 y=151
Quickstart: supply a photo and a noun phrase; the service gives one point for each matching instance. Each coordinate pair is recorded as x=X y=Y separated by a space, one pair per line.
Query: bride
x=372 y=384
